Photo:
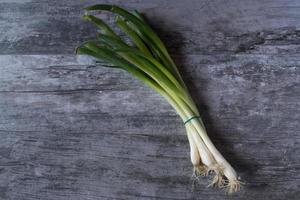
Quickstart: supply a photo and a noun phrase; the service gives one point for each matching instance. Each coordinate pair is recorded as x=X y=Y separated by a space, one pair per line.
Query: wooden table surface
x=71 y=130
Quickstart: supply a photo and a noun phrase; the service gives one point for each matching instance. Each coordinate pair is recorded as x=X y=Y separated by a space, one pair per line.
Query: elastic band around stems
x=190 y=119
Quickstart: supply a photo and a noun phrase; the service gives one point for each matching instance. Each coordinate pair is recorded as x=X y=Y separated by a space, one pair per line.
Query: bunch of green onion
x=147 y=58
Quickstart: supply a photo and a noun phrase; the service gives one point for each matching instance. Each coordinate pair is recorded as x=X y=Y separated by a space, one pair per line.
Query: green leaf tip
x=100 y=7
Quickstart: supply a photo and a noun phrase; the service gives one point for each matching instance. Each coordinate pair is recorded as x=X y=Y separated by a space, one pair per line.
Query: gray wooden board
x=70 y=129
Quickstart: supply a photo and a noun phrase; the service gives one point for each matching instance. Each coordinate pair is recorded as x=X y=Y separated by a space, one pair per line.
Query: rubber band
x=190 y=119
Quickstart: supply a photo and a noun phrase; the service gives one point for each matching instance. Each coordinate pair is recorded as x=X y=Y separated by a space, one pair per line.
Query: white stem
x=195 y=156
x=229 y=172
x=205 y=155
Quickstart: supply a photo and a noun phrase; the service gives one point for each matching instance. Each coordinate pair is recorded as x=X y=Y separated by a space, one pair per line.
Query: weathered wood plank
x=65 y=135
x=72 y=130
x=56 y=27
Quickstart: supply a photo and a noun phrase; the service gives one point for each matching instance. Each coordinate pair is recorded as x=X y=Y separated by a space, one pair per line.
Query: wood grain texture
x=73 y=130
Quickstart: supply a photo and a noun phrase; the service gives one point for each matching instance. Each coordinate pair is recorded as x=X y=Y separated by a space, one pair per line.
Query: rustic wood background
x=71 y=130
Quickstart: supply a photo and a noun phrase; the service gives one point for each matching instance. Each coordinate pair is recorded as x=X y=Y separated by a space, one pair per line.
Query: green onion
x=147 y=58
